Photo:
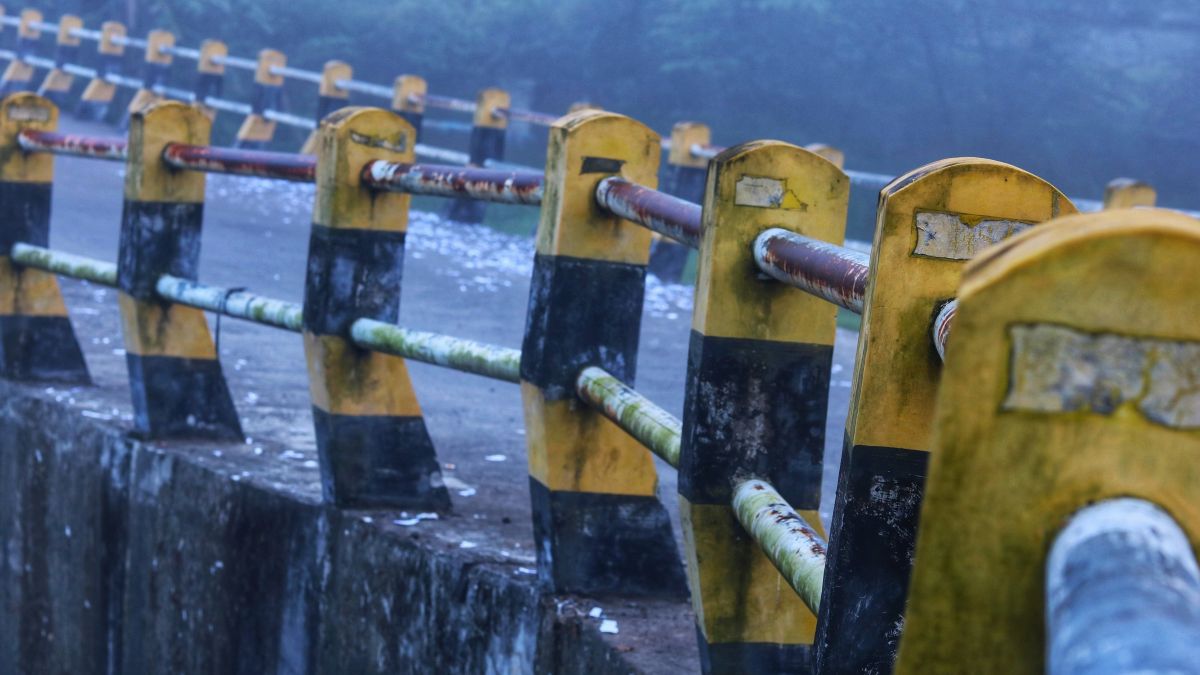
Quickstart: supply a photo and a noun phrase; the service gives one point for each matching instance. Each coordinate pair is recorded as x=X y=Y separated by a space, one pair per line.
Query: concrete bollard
x=98 y=94
x=18 y=76
x=409 y=100
x=257 y=131
x=757 y=393
x=1127 y=193
x=175 y=375
x=930 y=223
x=682 y=177
x=374 y=449
x=37 y=341
x=155 y=71
x=487 y=142
x=1070 y=380
x=330 y=97
x=597 y=523
x=56 y=87
x=210 y=74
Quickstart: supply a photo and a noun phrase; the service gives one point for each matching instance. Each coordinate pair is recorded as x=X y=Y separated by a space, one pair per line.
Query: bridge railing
x=749 y=448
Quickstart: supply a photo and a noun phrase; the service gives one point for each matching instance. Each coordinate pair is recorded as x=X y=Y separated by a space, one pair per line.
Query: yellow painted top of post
x=347 y=140
x=930 y=222
x=26 y=29
x=585 y=148
x=1066 y=383
x=410 y=94
x=488 y=105
x=108 y=31
x=155 y=42
x=67 y=25
x=334 y=72
x=18 y=112
x=684 y=135
x=1128 y=193
x=753 y=187
x=147 y=177
x=210 y=51
x=268 y=59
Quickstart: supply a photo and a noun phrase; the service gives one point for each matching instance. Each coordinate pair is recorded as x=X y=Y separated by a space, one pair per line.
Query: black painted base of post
x=871 y=547
x=58 y=97
x=41 y=349
x=753 y=657
x=380 y=462
x=250 y=145
x=190 y=398
x=616 y=537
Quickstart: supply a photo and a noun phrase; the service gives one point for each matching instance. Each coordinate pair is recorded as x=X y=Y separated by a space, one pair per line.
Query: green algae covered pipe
x=652 y=426
x=789 y=542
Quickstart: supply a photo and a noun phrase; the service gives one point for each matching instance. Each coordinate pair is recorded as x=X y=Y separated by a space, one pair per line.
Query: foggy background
x=1077 y=91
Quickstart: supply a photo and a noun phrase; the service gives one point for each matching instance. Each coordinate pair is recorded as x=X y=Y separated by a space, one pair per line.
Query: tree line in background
x=1078 y=91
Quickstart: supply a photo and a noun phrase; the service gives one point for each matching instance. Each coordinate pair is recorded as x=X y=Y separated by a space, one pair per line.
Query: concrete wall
x=128 y=557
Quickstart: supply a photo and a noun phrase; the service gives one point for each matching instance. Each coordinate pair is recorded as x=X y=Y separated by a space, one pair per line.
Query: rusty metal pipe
x=941 y=326
x=834 y=273
x=505 y=187
x=74 y=145
x=233 y=161
x=447 y=102
x=658 y=211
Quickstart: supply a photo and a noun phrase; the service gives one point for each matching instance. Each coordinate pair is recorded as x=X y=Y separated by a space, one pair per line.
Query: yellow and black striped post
x=155 y=71
x=18 y=76
x=210 y=73
x=1070 y=379
x=487 y=142
x=759 y=361
x=98 y=95
x=683 y=177
x=36 y=338
x=1128 y=193
x=931 y=221
x=330 y=97
x=57 y=85
x=374 y=448
x=178 y=387
x=257 y=131
x=598 y=525
x=409 y=99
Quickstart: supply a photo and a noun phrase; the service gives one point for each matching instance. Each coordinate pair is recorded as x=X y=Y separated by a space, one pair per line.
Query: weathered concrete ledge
x=129 y=557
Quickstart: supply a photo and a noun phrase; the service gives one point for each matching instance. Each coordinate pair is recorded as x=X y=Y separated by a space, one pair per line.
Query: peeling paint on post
x=487 y=143
x=888 y=427
x=597 y=522
x=99 y=93
x=37 y=341
x=56 y=87
x=682 y=177
x=1003 y=482
x=175 y=375
x=755 y=405
x=256 y=130
x=374 y=449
